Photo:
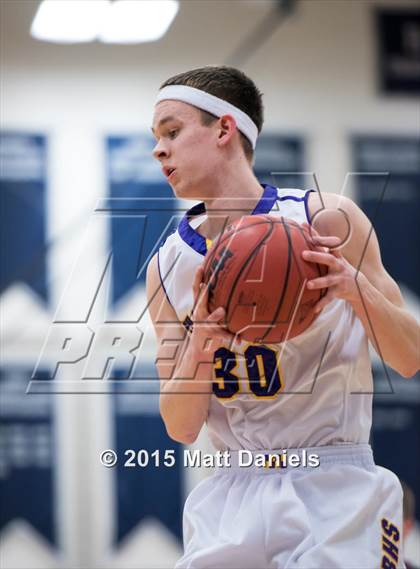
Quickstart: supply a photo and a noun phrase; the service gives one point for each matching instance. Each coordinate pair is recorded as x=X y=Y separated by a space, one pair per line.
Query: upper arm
x=362 y=248
x=170 y=333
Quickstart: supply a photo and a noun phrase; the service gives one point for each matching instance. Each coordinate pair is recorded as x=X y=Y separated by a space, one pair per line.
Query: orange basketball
x=255 y=271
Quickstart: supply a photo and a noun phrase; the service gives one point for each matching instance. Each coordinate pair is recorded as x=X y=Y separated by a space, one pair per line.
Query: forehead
x=176 y=109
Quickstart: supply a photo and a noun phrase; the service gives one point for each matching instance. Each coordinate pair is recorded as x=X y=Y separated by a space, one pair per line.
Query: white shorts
x=346 y=513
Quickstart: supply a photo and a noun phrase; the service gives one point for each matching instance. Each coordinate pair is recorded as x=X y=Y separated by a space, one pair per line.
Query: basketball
x=256 y=272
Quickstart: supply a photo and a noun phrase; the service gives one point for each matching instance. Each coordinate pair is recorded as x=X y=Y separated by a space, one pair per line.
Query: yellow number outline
x=218 y=379
x=261 y=372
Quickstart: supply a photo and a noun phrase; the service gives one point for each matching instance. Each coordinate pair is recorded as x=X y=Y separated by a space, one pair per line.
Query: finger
x=230 y=338
x=323 y=282
x=322 y=258
x=326 y=240
x=227 y=337
x=307 y=226
x=216 y=315
x=311 y=230
x=198 y=277
x=201 y=308
x=311 y=237
x=212 y=332
x=321 y=304
x=336 y=252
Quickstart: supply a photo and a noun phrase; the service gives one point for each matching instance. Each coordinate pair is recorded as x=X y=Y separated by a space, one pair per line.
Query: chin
x=178 y=191
x=183 y=192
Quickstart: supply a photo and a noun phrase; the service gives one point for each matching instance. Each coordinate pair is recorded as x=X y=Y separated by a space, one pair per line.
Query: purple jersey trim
x=197 y=241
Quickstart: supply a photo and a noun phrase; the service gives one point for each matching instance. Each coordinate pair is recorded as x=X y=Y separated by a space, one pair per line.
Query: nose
x=160 y=151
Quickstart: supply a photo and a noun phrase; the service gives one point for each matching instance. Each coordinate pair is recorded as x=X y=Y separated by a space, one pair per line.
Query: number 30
x=263 y=372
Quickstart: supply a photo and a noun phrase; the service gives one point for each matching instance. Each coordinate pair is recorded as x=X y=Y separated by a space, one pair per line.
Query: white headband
x=213 y=105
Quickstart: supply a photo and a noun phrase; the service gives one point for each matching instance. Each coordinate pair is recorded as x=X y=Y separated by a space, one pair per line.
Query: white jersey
x=320 y=388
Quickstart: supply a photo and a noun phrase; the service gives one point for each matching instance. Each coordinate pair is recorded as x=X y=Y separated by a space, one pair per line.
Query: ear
x=227 y=129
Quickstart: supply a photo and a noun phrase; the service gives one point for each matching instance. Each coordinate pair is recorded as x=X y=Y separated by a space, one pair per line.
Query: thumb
x=217 y=314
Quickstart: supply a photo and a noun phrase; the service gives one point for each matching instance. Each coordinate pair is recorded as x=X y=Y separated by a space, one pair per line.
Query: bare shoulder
x=318 y=201
x=333 y=214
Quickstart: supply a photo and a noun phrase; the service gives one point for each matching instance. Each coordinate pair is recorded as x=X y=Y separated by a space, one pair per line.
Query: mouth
x=168 y=171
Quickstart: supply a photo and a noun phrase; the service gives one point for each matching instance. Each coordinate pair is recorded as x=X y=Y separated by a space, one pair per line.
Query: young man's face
x=186 y=145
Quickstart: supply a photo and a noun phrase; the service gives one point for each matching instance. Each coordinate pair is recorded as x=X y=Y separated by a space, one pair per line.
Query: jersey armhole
x=161 y=282
x=305 y=201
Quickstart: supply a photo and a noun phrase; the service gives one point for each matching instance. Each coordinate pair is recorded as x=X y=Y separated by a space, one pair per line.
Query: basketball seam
x=251 y=257
x=286 y=280
x=222 y=238
x=272 y=222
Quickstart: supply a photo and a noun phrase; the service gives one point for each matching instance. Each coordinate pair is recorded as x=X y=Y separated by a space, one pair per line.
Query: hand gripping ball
x=255 y=271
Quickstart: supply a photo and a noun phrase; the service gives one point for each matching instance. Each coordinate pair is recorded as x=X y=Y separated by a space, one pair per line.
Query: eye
x=172 y=133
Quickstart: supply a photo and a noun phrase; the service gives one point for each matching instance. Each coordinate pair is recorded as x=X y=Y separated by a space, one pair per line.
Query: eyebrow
x=163 y=121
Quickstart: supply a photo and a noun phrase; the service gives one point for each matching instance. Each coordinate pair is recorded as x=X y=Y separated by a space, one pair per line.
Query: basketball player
x=347 y=512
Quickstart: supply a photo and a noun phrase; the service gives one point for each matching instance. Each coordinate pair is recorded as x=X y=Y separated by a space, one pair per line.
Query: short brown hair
x=229 y=84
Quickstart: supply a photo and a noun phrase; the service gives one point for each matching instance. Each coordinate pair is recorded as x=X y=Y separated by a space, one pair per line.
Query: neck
x=232 y=197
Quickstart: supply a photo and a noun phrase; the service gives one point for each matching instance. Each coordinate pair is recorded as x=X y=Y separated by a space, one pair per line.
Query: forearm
x=394 y=333
x=185 y=398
